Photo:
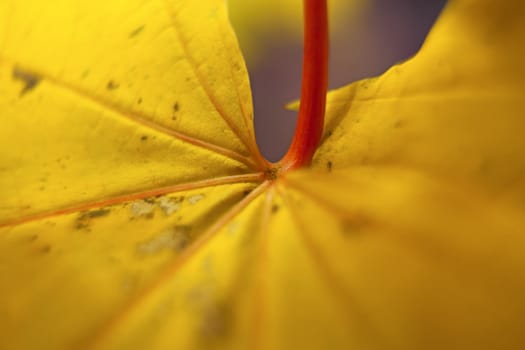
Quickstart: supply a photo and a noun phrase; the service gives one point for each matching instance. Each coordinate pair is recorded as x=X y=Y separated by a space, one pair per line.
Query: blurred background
x=367 y=37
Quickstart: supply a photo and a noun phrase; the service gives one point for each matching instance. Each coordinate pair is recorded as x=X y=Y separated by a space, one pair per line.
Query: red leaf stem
x=310 y=122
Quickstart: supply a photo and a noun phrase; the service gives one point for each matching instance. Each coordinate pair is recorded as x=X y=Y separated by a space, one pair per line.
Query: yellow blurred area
x=255 y=21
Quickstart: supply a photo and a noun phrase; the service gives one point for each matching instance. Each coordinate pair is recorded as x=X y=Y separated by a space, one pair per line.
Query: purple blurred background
x=384 y=33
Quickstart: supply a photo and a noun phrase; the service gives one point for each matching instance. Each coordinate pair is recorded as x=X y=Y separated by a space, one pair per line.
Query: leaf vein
x=211 y=97
x=120 y=316
x=138 y=195
x=137 y=117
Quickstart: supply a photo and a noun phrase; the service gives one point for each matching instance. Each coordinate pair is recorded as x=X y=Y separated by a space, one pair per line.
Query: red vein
x=105 y=331
x=321 y=201
x=138 y=195
x=248 y=123
x=136 y=117
x=262 y=259
x=340 y=293
x=227 y=119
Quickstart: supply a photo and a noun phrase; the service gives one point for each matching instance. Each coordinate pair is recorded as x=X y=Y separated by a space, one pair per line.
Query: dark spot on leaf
x=144 y=138
x=33 y=238
x=111 y=85
x=183 y=234
x=97 y=213
x=176 y=238
x=143 y=208
x=85 y=73
x=176 y=108
x=82 y=225
x=329 y=133
x=275 y=208
x=329 y=165
x=45 y=249
x=84 y=218
x=139 y=101
x=246 y=192
x=398 y=124
x=352 y=227
x=29 y=79
x=217 y=321
x=136 y=31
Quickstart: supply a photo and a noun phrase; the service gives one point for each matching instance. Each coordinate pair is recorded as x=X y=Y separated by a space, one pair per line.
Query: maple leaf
x=137 y=212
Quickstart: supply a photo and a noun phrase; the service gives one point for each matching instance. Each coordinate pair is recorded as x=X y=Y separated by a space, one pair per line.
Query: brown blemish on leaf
x=175 y=238
x=144 y=138
x=97 y=213
x=111 y=85
x=216 y=315
x=139 y=101
x=84 y=218
x=29 y=79
x=142 y=208
x=217 y=321
x=45 y=249
x=176 y=108
x=275 y=208
x=353 y=226
x=170 y=205
x=398 y=124
x=136 y=32
x=329 y=166
x=195 y=198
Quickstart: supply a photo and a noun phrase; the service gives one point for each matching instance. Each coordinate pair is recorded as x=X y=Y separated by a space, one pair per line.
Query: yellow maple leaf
x=137 y=213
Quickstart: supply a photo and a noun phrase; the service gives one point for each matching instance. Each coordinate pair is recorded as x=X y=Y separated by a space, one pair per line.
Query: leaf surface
x=135 y=212
x=144 y=96
x=128 y=133
x=455 y=109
